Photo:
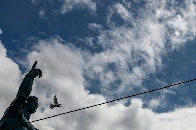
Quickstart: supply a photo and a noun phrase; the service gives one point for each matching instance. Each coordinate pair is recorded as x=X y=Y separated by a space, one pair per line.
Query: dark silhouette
x=17 y=115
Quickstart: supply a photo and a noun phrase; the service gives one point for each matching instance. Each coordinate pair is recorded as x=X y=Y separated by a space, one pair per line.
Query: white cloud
x=135 y=52
x=42 y=14
x=179 y=21
x=62 y=74
x=122 y=11
x=127 y=48
x=69 y=5
x=174 y=120
x=136 y=47
x=95 y=26
x=89 y=41
x=1 y=31
x=10 y=77
x=154 y=103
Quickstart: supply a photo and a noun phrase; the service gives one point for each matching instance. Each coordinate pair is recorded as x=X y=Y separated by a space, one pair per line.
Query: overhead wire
x=116 y=99
x=183 y=82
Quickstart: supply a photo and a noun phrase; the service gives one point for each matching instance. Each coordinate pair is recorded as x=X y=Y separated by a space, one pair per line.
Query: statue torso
x=14 y=117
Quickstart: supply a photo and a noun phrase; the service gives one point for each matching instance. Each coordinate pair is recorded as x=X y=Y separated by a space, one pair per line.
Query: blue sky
x=95 y=51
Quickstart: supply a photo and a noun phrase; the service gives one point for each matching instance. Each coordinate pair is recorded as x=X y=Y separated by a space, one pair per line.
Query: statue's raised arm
x=18 y=113
x=26 y=85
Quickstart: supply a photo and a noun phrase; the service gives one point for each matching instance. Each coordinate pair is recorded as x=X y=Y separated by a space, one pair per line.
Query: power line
x=113 y=100
x=117 y=99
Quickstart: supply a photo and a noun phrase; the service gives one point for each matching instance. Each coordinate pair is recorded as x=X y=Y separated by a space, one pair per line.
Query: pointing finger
x=34 y=65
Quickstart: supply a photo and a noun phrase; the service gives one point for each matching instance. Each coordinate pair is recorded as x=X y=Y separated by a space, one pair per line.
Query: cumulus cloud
x=129 y=55
x=69 y=5
x=10 y=77
x=63 y=75
x=176 y=119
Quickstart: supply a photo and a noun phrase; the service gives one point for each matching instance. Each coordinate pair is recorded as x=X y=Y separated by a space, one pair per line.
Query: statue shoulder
x=17 y=104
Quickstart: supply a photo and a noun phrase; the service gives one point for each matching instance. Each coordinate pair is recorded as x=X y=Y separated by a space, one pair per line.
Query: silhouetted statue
x=17 y=115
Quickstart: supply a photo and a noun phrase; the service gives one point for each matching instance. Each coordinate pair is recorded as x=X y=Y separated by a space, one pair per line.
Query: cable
x=113 y=100
x=117 y=99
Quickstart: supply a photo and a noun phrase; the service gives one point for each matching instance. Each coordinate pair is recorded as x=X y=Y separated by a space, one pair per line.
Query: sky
x=93 y=51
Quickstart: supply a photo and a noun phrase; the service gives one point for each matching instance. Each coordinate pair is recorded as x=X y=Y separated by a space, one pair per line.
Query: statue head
x=32 y=104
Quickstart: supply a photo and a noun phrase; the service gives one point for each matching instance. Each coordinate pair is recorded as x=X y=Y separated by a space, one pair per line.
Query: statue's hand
x=35 y=72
